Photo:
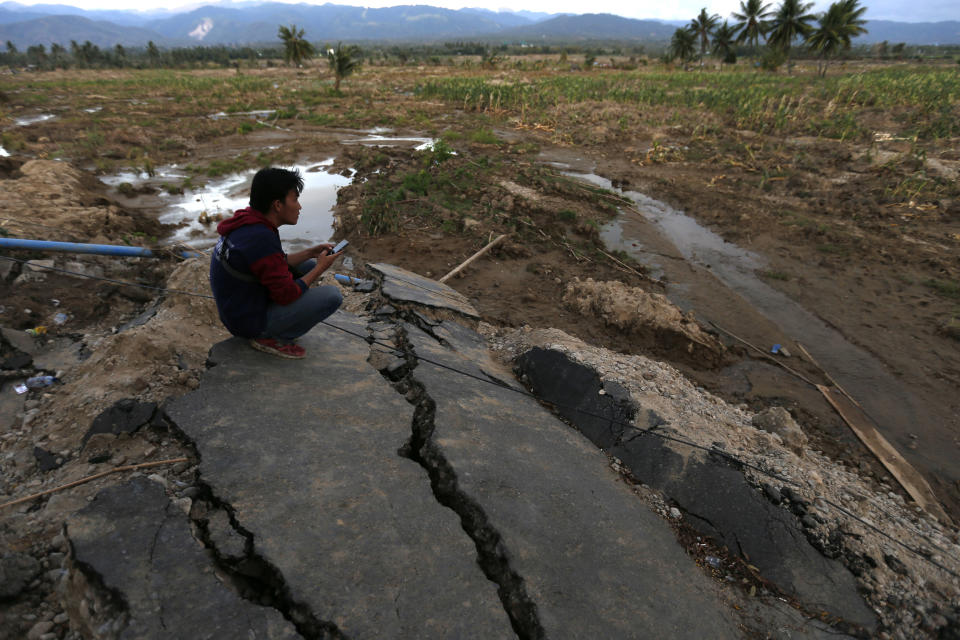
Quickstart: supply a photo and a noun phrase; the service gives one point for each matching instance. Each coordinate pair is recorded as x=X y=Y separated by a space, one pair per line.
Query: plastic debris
x=713 y=561
x=348 y=263
x=55 y=302
x=38 y=382
x=775 y=348
x=342 y=279
x=20 y=389
x=60 y=318
x=37 y=331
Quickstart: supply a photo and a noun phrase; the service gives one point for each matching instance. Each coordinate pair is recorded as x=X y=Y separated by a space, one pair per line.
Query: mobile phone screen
x=340 y=246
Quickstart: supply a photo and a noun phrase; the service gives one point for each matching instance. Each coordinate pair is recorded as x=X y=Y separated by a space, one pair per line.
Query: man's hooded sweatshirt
x=250 y=244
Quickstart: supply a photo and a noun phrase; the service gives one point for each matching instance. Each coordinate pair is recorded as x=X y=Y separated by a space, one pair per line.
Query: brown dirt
x=876 y=267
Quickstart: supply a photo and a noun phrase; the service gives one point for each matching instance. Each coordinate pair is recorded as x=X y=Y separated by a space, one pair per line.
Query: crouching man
x=262 y=293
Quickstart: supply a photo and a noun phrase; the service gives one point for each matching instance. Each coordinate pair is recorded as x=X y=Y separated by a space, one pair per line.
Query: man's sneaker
x=280 y=349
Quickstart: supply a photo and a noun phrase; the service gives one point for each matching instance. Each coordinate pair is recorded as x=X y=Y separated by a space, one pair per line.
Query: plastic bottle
x=38 y=382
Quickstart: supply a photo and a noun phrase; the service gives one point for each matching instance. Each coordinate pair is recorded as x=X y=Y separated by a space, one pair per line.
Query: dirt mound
x=50 y=200
x=161 y=357
x=649 y=317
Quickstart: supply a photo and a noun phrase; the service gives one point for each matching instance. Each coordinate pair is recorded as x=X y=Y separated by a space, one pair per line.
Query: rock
x=33 y=271
x=126 y=416
x=778 y=420
x=46 y=461
x=37 y=630
x=16 y=572
x=227 y=540
x=772 y=493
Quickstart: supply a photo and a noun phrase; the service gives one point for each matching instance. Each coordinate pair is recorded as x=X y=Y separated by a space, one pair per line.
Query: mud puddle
x=690 y=259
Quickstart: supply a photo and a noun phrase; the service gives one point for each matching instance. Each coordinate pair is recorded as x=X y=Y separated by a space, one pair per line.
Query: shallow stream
x=679 y=250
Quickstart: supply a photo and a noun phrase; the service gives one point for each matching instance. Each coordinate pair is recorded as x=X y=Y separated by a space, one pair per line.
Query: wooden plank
x=908 y=477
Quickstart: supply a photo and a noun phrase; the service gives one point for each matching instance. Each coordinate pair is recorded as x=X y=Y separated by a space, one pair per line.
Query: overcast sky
x=902 y=10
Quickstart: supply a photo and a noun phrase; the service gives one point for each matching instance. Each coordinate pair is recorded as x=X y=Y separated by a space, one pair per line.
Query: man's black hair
x=272 y=184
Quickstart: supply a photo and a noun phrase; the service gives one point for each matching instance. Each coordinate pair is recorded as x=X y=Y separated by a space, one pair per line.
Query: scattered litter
x=37 y=331
x=775 y=348
x=60 y=318
x=348 y=263
x=713 y=561
x=20 y=389
x=55 y=302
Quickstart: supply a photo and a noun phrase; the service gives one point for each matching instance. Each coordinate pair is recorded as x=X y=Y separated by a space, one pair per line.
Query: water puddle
x=28 y=120
x=263 y=113
x=197 y=212
x=378 y=138
x=896 y=410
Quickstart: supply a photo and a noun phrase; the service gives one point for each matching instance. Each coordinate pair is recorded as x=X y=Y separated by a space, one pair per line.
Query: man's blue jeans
x=290 y=321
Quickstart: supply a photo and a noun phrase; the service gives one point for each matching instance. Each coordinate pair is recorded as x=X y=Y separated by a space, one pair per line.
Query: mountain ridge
x=245 y=23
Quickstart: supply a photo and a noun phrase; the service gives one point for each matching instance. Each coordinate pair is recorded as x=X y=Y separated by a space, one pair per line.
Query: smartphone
x=340 y=247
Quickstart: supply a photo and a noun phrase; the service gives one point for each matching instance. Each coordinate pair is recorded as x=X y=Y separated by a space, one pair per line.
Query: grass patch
x=484 y=136
x=776 y=275
x=946 y=288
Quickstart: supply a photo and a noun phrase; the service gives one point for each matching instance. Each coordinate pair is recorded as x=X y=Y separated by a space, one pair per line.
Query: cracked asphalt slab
x=158 y=578
x=304 y=453
x=371 y=491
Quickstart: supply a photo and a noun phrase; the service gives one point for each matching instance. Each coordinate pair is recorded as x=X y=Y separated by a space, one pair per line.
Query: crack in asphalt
x=253 y=577
x=492 y=555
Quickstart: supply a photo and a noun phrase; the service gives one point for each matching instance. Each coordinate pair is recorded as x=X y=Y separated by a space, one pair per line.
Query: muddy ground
x=880 y=269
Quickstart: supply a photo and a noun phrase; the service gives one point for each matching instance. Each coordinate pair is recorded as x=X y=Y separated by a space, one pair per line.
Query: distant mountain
x=252 y=22
x=911 y=32
x=62 y=29
x=259 y=23
x=590 y=26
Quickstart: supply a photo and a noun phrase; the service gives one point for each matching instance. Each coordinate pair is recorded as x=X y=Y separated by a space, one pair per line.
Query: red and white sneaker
x=274 y=347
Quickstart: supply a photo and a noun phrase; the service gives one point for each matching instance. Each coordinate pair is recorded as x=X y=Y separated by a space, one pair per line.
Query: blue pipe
x=79 y=247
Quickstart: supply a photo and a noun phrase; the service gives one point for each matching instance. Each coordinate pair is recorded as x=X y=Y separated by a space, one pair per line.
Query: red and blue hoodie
x=250 y=244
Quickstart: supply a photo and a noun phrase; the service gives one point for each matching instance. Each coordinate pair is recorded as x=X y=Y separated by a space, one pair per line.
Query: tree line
x=791 y=23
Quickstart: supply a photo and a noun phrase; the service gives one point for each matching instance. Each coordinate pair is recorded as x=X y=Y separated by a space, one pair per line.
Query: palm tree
x=791 y=21
x=752 y=23
x=724 y=38
x=702 y=27
x=295 y=48
x=683 y=45
x=838 y=25
x=343 y=61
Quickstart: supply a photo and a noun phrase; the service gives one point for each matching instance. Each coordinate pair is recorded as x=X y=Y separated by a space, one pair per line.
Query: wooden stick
x=129 y=467
x=625 y=266
x=473 y=257
x=765 y=354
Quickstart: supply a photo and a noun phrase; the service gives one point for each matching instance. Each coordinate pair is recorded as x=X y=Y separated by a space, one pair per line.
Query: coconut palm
x=296 y=49
x=791 y=21
x=702 y=27
x=343 y=61
x=724 y=39
x=751 y=22
x=838 y=26
x=683 y=45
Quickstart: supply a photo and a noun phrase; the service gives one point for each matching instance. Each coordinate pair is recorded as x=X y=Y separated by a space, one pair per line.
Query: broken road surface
x=405 y=487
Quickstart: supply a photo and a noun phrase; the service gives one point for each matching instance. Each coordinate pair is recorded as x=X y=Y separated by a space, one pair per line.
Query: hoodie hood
x=242 y=218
